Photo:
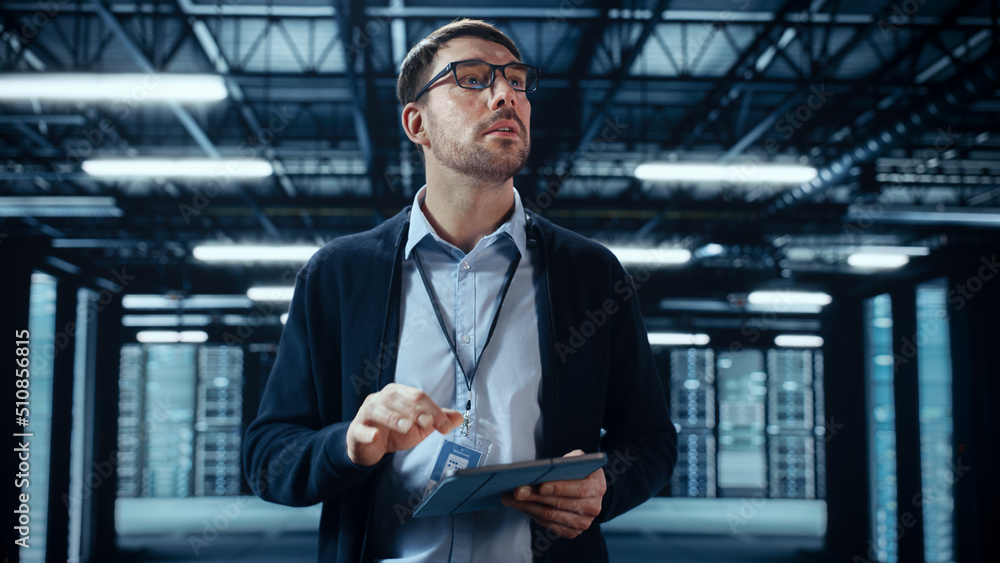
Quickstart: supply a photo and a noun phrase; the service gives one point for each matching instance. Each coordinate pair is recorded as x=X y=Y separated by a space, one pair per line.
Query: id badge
x=458 y=452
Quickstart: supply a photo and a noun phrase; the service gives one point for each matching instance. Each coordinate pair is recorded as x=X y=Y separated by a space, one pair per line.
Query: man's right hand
x=394 y=419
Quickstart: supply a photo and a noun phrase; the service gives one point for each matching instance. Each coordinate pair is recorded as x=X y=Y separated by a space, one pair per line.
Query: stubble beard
x=472 y=155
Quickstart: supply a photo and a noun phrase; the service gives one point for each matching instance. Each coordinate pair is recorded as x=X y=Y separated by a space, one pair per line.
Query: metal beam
x=186 y=119
x=590 y=38
x=560 y=12
x=976 y=81
x=618 y=79
x=696 y=121
x=213 y=54
x=348 y=22
x=135 y=52
x=888 y=70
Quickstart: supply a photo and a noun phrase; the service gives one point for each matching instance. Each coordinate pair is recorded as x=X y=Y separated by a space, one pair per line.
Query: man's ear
x=413 y=124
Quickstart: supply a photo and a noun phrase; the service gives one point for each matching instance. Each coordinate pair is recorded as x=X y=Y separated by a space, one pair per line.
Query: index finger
x=418 y=404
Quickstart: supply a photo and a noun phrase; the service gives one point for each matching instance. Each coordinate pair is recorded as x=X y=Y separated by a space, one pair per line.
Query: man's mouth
x=505 y=128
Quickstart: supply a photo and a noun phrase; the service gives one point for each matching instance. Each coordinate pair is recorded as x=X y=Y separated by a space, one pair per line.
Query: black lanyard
x=471 y=374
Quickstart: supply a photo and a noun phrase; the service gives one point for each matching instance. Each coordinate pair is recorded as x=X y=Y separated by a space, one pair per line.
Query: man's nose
x=502 y=92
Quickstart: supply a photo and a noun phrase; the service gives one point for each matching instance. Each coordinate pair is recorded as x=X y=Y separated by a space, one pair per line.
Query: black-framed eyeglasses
x=477 y=75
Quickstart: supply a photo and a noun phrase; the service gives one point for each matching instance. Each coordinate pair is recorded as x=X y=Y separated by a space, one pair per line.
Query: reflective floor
x=300 y=547
x=247 y=530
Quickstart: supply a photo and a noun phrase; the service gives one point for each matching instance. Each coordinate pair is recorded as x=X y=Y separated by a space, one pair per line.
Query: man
x=463 y=319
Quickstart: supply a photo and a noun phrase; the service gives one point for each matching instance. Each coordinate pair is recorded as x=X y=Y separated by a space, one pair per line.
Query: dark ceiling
x=895 y=102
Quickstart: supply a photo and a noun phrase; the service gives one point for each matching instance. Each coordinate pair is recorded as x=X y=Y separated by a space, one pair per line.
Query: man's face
x=462 y=124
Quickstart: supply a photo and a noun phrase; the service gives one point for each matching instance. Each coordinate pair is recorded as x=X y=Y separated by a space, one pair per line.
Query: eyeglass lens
x=474 y=74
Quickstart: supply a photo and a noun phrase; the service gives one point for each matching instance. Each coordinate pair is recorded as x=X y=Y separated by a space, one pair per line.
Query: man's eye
x=470 y=80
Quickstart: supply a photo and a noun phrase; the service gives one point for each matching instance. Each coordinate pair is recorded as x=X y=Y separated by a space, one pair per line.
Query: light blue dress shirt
x=505 y=396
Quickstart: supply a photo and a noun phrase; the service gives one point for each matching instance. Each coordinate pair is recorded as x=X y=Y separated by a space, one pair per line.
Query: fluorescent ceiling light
x=166 y=320
x=207 y=301
x=798 y=341
x=677 y=339
x=747 y=173
x=131 y=88
x=166 y=336
x=178 y=168
x=877 y=261
x=894 y=250
x=927 y=215
x=274 y=293
x=789 y=298
x=651 y=256
x=59 y=206
x=241 y=253
x=784 y=308
x=720 y=306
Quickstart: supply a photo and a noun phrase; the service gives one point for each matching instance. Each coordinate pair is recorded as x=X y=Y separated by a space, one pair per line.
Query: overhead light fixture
x=870 y=261
x=166 y=320
x=651 y=256
x=272 y=293
x=789 y=298
x=896 y=250
x=178 y=168
x=103 y=87
x=709 y=250
x=171 y=337
x=926 y=215
x=747 y=173
x=206 y=301
x=798 y=341
x=59 y=206
x=677 y=339
x=250 y=253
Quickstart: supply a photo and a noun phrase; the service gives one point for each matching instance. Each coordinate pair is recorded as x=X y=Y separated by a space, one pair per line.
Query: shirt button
x=465 y=339
x=465 y=266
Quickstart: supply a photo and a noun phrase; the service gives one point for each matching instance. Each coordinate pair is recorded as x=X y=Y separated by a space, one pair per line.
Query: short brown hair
x=414 y=70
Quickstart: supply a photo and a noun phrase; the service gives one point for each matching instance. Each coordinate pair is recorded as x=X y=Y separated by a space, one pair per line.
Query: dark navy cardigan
x=340 y=344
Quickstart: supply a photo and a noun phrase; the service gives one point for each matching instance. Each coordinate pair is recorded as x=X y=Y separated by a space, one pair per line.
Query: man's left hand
x=565 y=507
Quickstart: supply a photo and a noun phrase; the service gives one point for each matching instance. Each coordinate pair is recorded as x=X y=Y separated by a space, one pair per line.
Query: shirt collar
x=514 y=228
